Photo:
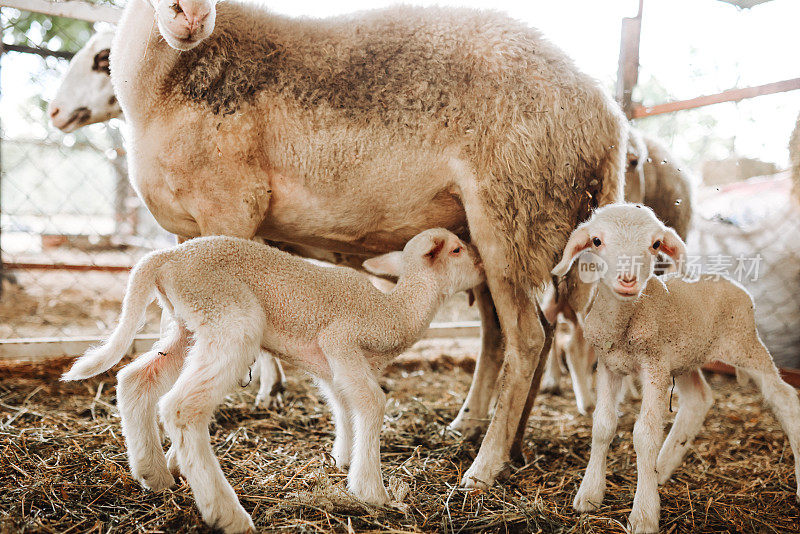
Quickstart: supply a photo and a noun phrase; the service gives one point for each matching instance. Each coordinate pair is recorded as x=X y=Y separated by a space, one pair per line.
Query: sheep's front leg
x=271 y=381
x=695 y=398
x=365 y=401
x=524 y=340
x=593 y=486
x=580 y=359
x=343 y=421
x=648 y=435
x=551 y=379
x=473 y=417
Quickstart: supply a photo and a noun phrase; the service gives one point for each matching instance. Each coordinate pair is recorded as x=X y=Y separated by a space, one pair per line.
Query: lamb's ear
x=674 y=247
x=578 y=242
x=390 y=264
x=437 y=245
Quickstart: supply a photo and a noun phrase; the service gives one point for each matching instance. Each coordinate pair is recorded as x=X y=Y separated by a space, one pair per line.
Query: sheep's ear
x=437 y=244
x=390 y=264
x=577 y=243
x=673 y=246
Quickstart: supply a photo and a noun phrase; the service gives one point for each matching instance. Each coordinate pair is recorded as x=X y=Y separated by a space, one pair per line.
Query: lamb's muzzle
x=234 y=297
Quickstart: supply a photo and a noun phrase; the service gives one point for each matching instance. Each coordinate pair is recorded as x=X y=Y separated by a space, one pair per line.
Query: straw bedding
x=63 y=466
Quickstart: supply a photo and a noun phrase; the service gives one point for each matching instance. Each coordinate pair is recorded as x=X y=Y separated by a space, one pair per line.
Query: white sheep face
x=85 y=95
x=185 y=23
x=626 y=239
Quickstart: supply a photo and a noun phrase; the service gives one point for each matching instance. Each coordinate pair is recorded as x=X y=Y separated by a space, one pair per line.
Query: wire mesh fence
x=70 y=225
x=70 y=222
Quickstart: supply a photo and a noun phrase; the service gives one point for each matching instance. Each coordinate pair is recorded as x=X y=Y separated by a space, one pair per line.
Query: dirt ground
x=63 y=466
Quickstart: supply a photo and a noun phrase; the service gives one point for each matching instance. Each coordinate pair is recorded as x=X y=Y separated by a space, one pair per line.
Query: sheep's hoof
x=642 y=525
x=231 y=519
x=483 y=475
x=587 y=501
x=159 y=481
x=470 y=429
x=549 y=385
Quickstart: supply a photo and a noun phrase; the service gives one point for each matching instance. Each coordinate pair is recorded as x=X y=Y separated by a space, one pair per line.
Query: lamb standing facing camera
x=662 y=328
x=236 y=298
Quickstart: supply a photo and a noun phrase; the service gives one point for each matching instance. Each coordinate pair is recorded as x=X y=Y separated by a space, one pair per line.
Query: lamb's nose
x=195 y=13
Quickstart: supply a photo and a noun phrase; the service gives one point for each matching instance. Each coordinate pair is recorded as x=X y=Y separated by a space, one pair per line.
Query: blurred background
x=70 y=225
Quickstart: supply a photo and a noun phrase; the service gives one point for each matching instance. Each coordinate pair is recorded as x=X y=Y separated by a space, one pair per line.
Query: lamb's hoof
x=638 y=524
x=470 y=429
x=268 y=401
x=549 y=385
x=376 y=496
x=587 y=501
x=230 y=519
x=157 y=481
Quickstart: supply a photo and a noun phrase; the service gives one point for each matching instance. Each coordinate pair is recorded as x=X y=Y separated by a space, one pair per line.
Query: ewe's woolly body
x=355 y=133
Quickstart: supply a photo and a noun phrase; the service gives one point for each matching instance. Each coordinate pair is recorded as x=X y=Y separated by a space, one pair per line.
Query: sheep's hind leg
x=580 y=359
x=695 y=399
x=781 y=397
x=214 y=367
x=141 y=383
x=473 y=417
x=271 y=381
x=593 y=486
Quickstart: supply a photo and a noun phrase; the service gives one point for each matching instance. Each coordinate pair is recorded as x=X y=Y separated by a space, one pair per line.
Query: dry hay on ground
x=63 y=466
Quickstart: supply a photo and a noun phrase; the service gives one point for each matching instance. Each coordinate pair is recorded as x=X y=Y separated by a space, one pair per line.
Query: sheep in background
x=653 y=177
x=233 y=298
x=353 y=134
x=86 y=95
x=662 y=328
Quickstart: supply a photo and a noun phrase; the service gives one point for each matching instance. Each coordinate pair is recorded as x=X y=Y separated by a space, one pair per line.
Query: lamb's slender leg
x=516 y=447
x=551 y=378
x=695 y=399
x=355 y=382
x=580 y=359
x=473 y=418
x=604 y=425
x=343 y=420
x=141 y=383
x=648 y=435
x=271 y=381
x=214 y=366
x=780 y=396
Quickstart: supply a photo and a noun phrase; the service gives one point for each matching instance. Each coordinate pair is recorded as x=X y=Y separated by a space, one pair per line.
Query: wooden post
x=628 y=71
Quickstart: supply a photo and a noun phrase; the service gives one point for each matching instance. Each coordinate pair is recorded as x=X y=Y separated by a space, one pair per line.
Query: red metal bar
x=66 y=267
x=732 y=95
x=790 y=376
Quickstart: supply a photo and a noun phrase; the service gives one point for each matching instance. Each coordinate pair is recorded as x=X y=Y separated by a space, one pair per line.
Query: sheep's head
x=455 y=264
x=85 y=95
x=625 y=240
x=185 y=23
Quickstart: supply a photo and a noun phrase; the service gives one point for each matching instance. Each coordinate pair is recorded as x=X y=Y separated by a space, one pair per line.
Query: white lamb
x=235 y=298
x=660 y=328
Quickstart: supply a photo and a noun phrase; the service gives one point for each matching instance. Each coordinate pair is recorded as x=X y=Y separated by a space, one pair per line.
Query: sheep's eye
x=596 y=241
x=456 y=250
x=656 y=244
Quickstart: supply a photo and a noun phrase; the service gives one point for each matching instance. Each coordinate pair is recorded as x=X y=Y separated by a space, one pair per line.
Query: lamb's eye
x=596 y=241
x=456 y=250
x=656 y=244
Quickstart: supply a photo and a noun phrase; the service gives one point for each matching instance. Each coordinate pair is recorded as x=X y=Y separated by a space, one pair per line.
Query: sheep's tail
x=139 y=293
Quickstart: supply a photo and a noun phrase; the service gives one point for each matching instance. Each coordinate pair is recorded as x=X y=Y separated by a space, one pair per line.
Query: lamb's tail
x=140 y=293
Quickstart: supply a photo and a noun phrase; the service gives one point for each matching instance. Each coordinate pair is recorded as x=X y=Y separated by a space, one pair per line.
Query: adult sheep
x=355 y=133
